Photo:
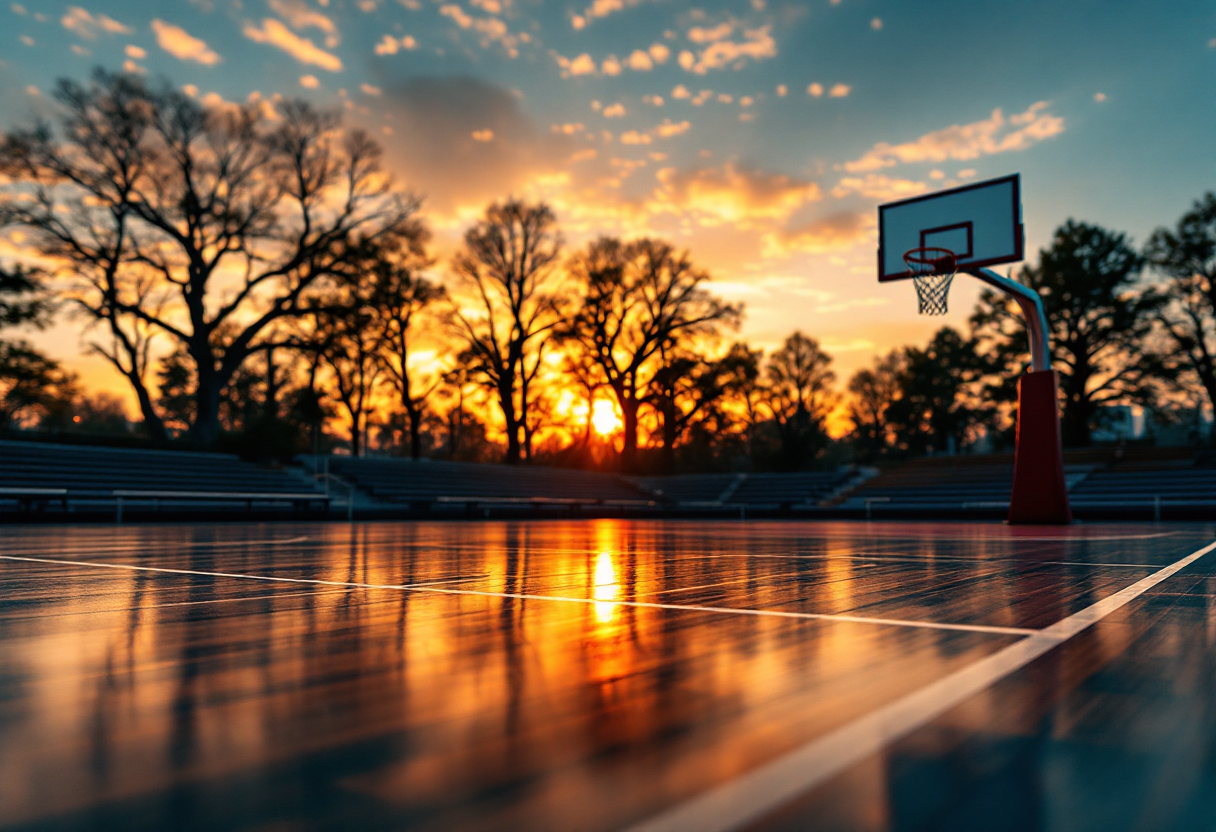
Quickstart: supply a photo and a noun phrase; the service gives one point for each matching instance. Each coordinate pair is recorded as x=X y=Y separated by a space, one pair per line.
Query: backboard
x=980 y=223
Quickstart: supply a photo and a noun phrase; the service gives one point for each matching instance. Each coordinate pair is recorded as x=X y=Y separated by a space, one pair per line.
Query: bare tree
x=510 y=302
x=798 y=394
x=349 y=341
x=639 y=301
x=402 y=296
x=178 y=219
x=871 y=392
x=1186 y=257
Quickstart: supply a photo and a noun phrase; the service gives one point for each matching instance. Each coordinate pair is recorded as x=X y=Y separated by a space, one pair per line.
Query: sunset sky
x=762 y=134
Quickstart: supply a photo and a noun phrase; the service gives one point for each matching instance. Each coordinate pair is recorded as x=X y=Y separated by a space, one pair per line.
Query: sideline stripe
x=748 y=798
x=523 y=596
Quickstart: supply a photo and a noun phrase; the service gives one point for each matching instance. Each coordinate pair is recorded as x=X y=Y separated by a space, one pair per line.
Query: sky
x=761 y=135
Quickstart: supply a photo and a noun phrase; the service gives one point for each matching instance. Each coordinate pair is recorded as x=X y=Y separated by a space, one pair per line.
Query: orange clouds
x=182 y=45
x=86 y=25
x=731 y=194
x=757 y=45
x=836 y=232
x=275 y=34
x=993 y=135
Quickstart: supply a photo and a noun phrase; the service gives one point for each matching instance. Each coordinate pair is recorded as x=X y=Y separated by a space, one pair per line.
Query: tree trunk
x=356 y=435
x=153 y=424
x=629 y=447
x=506 y=402
x=669 y=435
x=415 y=431
x=206 y=429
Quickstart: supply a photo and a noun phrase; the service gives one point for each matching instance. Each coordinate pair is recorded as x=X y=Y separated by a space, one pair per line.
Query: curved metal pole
x=1032 y=311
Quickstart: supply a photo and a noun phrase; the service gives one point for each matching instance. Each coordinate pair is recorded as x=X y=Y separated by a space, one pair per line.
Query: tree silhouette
x=1100 y=325
x=872 y=391
x=798 y=394
x=507 y=276
x=1186 y=257
x=401 y=297
x=177 y=219
x=642 y=304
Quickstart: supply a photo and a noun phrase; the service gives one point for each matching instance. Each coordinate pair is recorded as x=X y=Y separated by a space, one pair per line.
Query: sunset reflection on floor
x=506 y=675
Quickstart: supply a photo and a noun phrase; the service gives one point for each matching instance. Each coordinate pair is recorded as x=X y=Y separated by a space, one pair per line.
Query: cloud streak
x=274 y=33
x=962 y=142
x=182 y=45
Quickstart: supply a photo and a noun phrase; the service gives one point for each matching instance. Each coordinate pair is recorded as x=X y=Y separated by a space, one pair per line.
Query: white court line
x=747 y=799
x=524 y=596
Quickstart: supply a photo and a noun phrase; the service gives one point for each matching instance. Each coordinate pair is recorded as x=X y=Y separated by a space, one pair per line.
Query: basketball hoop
x=932 y=271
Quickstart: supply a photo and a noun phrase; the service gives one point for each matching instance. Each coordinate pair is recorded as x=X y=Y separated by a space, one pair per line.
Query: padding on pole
x=1040 y=496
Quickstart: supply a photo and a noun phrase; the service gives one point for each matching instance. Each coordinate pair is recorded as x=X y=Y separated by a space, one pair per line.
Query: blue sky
x=762 y=134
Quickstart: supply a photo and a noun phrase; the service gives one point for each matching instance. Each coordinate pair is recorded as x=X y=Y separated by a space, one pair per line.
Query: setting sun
x=604 y=418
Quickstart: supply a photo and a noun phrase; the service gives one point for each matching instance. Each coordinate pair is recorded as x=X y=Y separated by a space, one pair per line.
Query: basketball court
x=608 y=675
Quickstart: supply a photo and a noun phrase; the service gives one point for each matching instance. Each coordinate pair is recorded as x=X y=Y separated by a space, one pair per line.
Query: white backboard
x=980 y=223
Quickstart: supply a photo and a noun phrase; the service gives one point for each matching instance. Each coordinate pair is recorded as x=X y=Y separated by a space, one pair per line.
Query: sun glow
x=604 y=418
x=605 y=588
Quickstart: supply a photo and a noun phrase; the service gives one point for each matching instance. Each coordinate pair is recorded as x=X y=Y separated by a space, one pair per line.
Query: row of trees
x=254 y=274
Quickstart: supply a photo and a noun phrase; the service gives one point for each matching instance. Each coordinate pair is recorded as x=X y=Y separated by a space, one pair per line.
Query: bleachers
x=424 y=482
x=45 y=472
x=754 y=490
x=936 y=484
x=1138 y=486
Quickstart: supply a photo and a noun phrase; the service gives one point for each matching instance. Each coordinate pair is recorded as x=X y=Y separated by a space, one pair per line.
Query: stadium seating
x=1139 y=486
x=756 y=490
x=424 y=482
x=39 y=471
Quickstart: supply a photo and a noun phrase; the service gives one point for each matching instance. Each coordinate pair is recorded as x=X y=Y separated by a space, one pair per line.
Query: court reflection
x=423 y=684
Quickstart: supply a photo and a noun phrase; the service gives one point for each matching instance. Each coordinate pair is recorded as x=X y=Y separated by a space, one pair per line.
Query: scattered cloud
x=390 y=45
x=584 y=64
x=136 y=52
x=815 y=89
x=309 y=82
x=600 y=8
x=878 y=186
x=876 y=24
x=1099 y=97
x=782 y=89
x=835 y=232
x=490 y=30
x=368 y=89
x=611 y=66
x=300 y=16
x=680 y=91
x=275 y=34
x=699 y=34
x=486 y=135
x=27 y=40
x=839 y=91
x=634 y=137
x=757 y=44
x=669 y=128
x=659 y=52
x=640 y=61
x=87 y=26
x=614 y=110
x=731 y=194
x=963 y=142
x=182 y=45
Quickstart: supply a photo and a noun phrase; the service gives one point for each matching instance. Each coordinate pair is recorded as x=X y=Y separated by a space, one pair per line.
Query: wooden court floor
x=608 y=675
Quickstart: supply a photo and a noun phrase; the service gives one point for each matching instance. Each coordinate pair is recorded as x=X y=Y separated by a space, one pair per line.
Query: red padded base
x=1039 y=496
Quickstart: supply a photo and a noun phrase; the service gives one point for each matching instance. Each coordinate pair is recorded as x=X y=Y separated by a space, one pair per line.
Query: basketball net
x=933 y=270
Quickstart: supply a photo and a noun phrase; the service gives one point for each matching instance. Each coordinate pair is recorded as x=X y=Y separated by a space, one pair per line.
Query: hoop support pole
x=1040 y=492
x=1032 y=311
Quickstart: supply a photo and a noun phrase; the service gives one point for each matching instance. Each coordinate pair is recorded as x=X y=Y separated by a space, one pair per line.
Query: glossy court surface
x=604 y=675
